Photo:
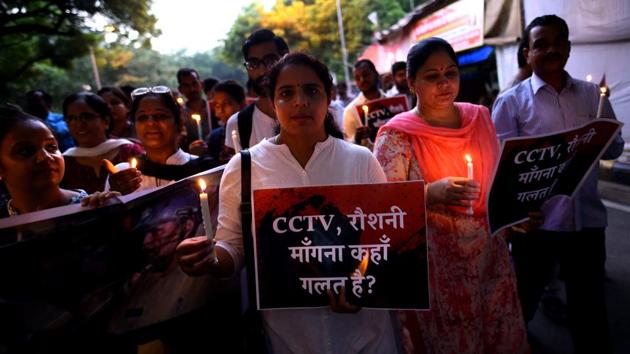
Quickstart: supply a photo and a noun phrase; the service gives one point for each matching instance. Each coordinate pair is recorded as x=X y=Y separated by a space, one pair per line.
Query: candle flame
x=202 y=185
x=589 y=77
x=365 y=109
x=363 y=265
x=603 y=90
x=234 y=133
x=196 y=117
x=180 y=100
x=134 y=162
x=468 y=158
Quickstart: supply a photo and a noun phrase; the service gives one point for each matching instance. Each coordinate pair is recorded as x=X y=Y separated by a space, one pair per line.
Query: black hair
x=10 y=116
x=166 y=98
x=127 y=89
x=367 y=62
x=186 y=72
x=209 y=83
x=322 y=73
x=397 y=66
x=116 y=92
x=263 y=36
x=96 y=102
x=47 y=98
x=546 y=20
x=421 y=51
x=233 y=89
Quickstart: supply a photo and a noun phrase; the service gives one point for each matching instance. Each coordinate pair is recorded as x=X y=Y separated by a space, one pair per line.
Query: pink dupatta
x=440 y=151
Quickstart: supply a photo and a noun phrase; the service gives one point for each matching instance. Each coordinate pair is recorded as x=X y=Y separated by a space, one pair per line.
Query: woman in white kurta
x=309 y=150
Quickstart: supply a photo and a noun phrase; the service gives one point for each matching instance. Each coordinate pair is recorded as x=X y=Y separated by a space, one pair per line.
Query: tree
x=57 y=32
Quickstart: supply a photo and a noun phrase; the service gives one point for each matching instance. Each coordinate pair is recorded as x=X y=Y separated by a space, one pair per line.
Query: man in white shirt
x=367 y=79
x=261 y=50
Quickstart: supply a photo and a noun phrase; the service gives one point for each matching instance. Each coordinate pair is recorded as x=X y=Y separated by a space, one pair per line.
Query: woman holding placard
x=453 y=147
x=309 y=150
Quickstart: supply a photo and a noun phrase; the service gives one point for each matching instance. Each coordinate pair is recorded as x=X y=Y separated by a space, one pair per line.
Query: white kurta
x=318 y=330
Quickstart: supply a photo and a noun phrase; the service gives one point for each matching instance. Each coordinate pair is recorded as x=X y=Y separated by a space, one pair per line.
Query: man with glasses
x=573 y=232
x=257 y=121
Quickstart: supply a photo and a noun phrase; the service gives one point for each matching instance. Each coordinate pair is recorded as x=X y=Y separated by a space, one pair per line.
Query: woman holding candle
x=90 y=120
x=32 y=167
x=474 y=304
x=308 y=150
x=156 y=116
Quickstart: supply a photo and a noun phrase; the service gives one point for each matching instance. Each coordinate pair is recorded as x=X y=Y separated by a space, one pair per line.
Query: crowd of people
x=301 y=129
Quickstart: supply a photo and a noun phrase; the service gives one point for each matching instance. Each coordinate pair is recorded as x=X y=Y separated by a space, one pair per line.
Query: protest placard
x=534 y=169
x=377 y=112
x=369 y=240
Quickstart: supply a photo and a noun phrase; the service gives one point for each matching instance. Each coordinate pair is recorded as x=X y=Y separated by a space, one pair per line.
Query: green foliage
x=54 y=33
x=311 y=26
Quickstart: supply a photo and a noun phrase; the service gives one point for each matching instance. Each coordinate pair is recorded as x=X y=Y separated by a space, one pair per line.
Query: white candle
x=366 y=110
x=237 y=146
x=197 y=119
x=602 y=96
x=205 y=214
x=469 y=166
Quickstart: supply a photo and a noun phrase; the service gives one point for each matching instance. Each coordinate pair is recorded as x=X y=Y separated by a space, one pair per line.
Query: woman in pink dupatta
x=474 y=303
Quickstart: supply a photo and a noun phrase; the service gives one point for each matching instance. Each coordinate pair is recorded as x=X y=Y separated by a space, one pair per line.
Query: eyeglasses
x=268 y=60
x=140 y=91
x=83 y=117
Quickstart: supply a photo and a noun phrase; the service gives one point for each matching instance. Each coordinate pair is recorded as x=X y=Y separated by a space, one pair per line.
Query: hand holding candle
x=197 y=118
x=205 y=214
x=469 y=166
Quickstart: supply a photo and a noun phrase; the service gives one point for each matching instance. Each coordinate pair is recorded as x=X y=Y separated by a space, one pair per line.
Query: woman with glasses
x=90 y=120
x=119 y=104
x=157 y=119
x=309 y=150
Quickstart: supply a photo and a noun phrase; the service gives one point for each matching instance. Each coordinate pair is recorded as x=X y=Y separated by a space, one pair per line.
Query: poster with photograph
x=376 y=113
x=109 y=270
x=532 y=170
x=368 y=241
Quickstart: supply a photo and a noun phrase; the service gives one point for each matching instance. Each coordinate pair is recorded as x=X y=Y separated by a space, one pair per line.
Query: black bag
x=245 y=122
x=255 y=340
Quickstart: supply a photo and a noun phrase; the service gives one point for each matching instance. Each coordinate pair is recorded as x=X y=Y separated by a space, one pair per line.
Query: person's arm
x=393 y=151
x=505 y=118
x=350 y=123
x=616 y=147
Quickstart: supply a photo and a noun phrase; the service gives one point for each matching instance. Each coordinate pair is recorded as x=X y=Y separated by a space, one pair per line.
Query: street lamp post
x=344 y=51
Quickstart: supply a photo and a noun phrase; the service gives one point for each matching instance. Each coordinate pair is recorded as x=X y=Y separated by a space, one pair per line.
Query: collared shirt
x=534 y=107
x=263 y=126
x=351 y=119
x=317 y=330
x=178 y=158
x=60 y=129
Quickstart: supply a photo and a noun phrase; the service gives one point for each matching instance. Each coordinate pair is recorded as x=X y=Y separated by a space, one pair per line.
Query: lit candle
x=205 y=214
x=237 y=146
x=133 y=162
x=197 y=119
x=469 y=166
x=366 y=110
x=589 y=77
x=603 y=90
x=180 y=101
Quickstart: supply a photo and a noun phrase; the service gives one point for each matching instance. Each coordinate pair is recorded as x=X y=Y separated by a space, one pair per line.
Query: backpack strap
x=245 y=122
x=246 y=223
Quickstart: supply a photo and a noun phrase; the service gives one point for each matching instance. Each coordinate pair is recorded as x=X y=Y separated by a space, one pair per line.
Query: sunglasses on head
x=268 y=60
x=141 y=91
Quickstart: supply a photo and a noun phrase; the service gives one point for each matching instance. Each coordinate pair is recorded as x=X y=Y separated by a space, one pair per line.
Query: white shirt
x=317 y=330
x=336 y=109
x=263 y=126
x=178 y=158
x=351 y=118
